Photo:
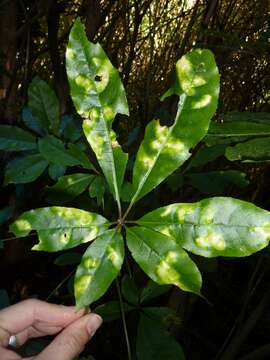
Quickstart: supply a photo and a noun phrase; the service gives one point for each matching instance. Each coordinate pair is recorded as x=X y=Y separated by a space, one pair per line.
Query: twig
x=59 y=285
x=123 y=318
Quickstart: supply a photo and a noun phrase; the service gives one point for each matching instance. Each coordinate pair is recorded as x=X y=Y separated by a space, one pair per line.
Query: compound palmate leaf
x=60 y=228
x=163 y=259
x=217 y=226
x=98 y=95
x=100 y=265
x=164 y=149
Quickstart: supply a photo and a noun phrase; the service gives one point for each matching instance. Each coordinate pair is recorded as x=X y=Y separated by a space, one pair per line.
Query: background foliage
x=144 y=39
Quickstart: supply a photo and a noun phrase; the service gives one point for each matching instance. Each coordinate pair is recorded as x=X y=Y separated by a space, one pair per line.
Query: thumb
x=72 y=340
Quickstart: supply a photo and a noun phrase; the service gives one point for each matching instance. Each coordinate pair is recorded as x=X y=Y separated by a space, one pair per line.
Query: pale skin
x=34 y=318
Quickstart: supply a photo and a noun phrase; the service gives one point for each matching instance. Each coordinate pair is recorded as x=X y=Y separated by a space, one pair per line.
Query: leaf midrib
x=84 y=178
x=115 y=185
x=104 y=256
x=158 y=223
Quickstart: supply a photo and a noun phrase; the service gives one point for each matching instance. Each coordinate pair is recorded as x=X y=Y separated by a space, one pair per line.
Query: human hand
x=34 y=318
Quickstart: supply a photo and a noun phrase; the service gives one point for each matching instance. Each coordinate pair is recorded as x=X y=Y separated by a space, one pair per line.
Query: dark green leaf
x=155 y=343
x=12 y=138
x=76 y=151
x=33 y=123
x=55 y=152
x=71 y=128
x=253 y=117
x=97 y=189
x=100 y=265
x=217 y=182
x=129 y=290
x=55 y=171
x=153 y=290
x=68 y=187
x=217 y=226
x=163 y=259
x=206 y=154
x=236 y=127
x=60 y=228
x=97 y=93
x=25 y=170
x=164 y=315
x=44 y=104
x=111 y=310
x=251 y=150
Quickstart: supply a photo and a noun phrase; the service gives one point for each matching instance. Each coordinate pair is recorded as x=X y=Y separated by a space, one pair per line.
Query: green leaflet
x=153 y=290
x=162 y=259
x=129 y=290
x=32 y=122
x=237 y=127
x=206 y=154
x=55 y=152
x=217 y=182
x=164 y=149
x=25 y=170
x=44 y=105
x=60 y=228
x=98 y=95
x=154 y=342
x=111 y=310
x=12 y=138
x=217 y=226
x=251 y=150
x=97 y=189
x=68 y=187
x=55 y=171
x=253 y=117
x=75 y=151
x=100 y=265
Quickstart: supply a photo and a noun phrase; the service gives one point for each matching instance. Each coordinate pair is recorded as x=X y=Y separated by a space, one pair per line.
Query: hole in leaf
x=98 y=78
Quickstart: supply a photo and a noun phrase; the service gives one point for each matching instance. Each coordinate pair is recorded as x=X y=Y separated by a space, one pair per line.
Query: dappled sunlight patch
x=207 y=215
x=148 y=161
x=114 y=256
x=202 y=102
x=81 y=285
x=22 y=226
x=166 y=274
x=184 y=211
x=89 y=263
x=263 y=230
x=211 y=240
x=70 y=54
x=84 y=82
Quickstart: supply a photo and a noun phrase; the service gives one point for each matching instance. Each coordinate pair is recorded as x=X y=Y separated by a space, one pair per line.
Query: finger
x=6 y=354
x=32 y=332
x=72 y=340
x=17 y=318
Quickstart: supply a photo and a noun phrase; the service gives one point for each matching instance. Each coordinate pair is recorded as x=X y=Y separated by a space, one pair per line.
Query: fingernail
x=93 y=324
